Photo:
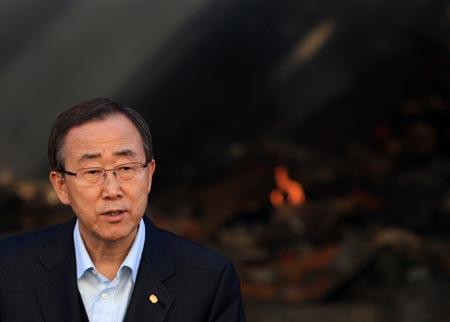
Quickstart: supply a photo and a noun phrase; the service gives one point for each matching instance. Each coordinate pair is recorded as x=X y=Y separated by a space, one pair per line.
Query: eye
x=125 y=168
x=91 y=172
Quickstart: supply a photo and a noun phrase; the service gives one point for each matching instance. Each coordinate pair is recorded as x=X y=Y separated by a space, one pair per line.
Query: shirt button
x=105 y=296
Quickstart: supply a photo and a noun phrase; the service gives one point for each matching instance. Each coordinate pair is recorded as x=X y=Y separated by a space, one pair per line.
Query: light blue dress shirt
x=107 y=300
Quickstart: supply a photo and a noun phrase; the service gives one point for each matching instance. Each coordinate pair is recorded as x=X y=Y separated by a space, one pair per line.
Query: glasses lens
x=90 y=176
x=128 y=171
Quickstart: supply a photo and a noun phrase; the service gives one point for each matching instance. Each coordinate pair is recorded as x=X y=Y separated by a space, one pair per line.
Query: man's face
x=112 y=210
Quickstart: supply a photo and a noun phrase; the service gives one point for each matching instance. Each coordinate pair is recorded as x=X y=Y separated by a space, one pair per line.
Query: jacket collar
x=157 y=253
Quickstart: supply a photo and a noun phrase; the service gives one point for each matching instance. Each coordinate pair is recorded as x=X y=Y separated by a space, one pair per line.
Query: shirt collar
x=133 y=259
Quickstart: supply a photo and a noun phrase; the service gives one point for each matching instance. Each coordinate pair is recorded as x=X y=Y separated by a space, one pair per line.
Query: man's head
x=100 y=140
x=95 y=109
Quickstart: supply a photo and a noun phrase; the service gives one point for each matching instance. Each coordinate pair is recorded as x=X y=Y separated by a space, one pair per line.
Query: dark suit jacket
x=38 y=280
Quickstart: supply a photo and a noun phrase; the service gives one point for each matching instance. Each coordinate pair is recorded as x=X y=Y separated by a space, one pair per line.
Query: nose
x=111 y=185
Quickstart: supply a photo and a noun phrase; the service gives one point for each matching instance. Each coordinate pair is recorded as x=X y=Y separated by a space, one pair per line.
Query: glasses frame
x=103 y=176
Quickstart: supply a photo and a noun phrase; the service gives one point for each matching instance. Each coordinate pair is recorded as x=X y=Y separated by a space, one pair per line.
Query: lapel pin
x=153 y=298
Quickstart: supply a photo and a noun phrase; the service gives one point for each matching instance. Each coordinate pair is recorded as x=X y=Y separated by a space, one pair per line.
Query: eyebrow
x=125 y=152
x=89 y=156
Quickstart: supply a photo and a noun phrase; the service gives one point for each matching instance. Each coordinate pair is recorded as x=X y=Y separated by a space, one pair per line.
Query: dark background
x=352 y=97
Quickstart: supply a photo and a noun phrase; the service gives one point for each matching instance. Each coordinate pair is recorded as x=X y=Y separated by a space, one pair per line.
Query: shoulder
x=30 y=244
x=185 y=253
x=192 y=251
x=206 y=281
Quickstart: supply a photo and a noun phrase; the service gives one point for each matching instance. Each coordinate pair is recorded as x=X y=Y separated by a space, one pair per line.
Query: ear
x=59 y=184
x=151 y=170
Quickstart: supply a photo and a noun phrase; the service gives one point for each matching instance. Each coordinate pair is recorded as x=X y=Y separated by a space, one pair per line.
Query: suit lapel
x=141 y=306
x=58 y=294
x=151 y=300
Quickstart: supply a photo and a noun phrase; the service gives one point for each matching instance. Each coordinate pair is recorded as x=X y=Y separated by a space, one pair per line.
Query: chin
x=116 y=235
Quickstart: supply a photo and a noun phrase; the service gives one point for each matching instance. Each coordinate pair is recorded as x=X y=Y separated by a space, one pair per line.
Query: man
x=110 y=262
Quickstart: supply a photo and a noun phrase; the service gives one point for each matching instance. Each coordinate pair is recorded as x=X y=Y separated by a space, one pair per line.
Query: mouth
x=114 y=213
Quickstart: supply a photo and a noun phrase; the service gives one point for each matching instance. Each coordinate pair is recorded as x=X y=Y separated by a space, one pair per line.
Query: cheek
x=136 y=194
x=82 y=201
x=137 y=198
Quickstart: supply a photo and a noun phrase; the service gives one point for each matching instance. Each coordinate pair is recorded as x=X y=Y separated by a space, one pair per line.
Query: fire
x=286 y=189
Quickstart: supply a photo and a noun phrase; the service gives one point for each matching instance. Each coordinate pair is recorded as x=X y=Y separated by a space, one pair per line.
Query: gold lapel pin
x=153 y=298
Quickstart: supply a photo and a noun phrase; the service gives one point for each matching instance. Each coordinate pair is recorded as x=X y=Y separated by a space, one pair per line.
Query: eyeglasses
x=97 y=175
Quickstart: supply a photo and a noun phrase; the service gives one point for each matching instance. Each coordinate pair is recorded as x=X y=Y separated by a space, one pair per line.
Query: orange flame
x=286 y=189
